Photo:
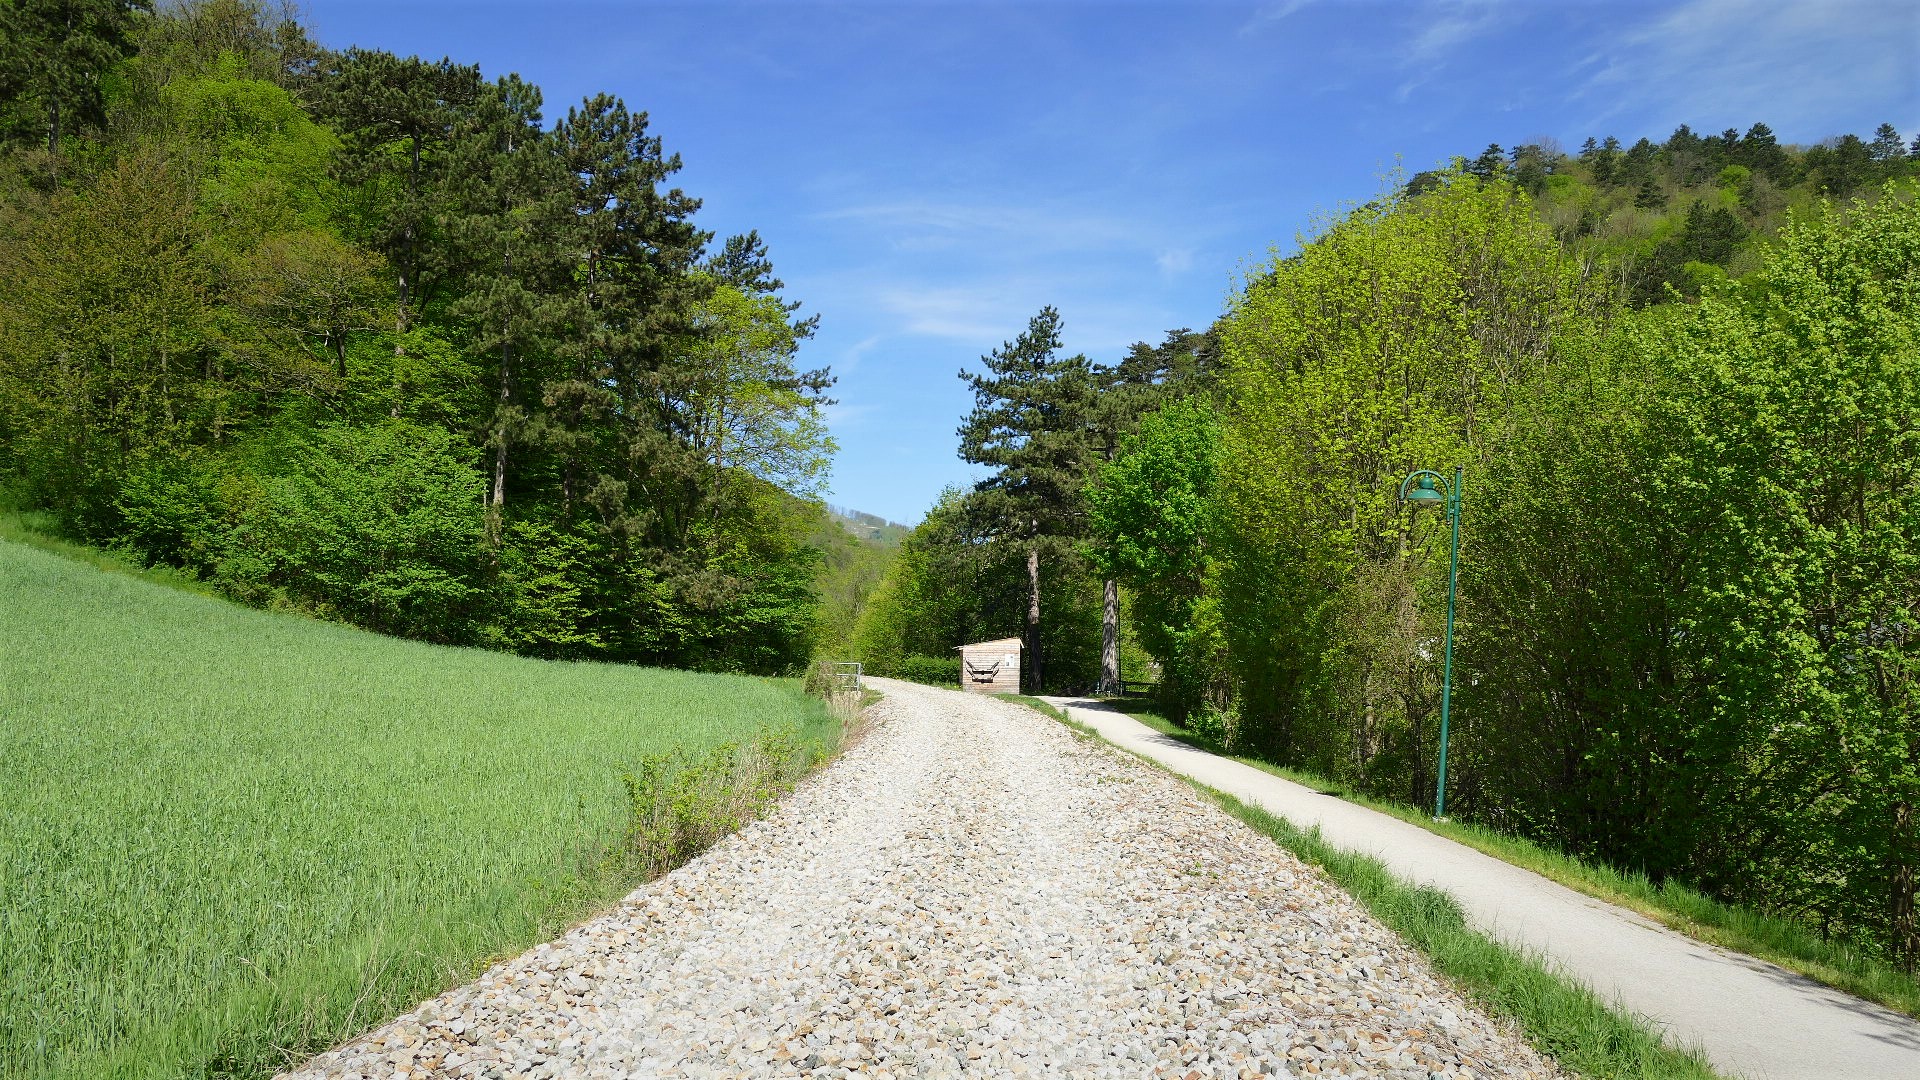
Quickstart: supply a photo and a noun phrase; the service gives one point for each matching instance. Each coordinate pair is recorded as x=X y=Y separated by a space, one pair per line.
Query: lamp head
x=1425 y=493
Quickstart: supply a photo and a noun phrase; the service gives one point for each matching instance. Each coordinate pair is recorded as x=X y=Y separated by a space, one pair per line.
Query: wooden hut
x=991 y=667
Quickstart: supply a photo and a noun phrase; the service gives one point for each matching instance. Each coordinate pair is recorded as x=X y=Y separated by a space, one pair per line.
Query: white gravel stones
x=971 y=891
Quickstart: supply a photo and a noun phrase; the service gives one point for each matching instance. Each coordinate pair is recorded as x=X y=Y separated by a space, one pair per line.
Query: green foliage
x=1647 y=214
x=1700 y=668
x=931 y=670
x=1152 y=512
x=852 y=566
x=1394 y=341
x=1792 y=422
x=54 y=59
x=379 y=526
x=295 y=321
x=229 y=837
x=746 y=405
x=1685 y=593
x=680 y=803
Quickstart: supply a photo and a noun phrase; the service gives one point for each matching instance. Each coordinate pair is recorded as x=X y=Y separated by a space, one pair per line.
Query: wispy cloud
x=1269 y=14
x=1443 y=28
x=1450 y=24
x=1737 y=61
x=933 y=224
x=983 y=316
x=1174 y=261
x=851 y=356
x=841 y=415
x=971 y=313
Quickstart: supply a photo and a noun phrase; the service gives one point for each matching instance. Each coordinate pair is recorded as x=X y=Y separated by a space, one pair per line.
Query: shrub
x=380 y=526
x=931 y=670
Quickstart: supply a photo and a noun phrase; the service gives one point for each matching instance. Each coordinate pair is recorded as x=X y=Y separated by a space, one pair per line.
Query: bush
x=379 y=526
x=931 y=670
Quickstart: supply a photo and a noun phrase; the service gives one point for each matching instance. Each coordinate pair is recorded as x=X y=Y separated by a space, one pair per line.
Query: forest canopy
x=377 y=338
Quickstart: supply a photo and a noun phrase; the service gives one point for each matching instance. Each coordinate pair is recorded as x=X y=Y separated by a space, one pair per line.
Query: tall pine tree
x=1032 y=422
x=54 y=55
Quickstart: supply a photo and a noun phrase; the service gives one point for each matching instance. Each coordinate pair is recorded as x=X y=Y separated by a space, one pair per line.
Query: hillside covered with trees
x=384 y=339
x=1683 y=381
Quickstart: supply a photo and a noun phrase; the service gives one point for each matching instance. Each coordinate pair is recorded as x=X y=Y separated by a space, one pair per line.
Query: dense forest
x=1683 y=382
x=371 y=337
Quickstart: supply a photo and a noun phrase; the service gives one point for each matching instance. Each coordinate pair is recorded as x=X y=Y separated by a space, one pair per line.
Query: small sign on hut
x=991 y=667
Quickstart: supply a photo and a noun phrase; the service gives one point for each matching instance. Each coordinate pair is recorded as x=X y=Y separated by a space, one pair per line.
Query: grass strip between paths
x=1559 y=1016
x=1785 y=942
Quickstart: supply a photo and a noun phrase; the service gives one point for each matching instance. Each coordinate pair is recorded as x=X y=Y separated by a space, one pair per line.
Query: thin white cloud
x=1453 y=24
x=1269 y=14
x=1442 y=28
x=930 y=224
x=1733 y=62
x=1174 y=261
x=851 y=356
x=984 y=316
x=964 y=312
x=840 y=415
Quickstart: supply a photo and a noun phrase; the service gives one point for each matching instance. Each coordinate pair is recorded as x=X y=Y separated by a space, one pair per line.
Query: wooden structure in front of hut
x=991 y=667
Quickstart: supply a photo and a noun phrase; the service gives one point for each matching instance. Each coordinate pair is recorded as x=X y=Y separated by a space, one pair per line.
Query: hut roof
x=1012 y=642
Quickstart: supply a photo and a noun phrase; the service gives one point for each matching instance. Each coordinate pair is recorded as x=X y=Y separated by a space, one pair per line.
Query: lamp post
x=1429 y=488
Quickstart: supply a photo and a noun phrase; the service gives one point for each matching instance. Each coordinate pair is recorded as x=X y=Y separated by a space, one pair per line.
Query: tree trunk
x=499 y=493
x=1110 y=640
x=1033 y=619
x=1906 y=922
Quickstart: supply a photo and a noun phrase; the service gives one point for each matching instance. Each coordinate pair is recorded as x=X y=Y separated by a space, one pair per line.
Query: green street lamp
x=1429 y=488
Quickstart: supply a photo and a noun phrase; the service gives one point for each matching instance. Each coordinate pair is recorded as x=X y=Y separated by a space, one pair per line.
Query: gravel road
x=970 y=891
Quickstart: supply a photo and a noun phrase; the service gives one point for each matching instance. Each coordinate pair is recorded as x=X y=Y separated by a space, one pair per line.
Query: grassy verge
x=229 y=838
x=36 y=530
x=1789 y=944
x=1557 y=1015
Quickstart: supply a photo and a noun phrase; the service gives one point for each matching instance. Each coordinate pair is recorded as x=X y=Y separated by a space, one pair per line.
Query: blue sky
x=928 y=175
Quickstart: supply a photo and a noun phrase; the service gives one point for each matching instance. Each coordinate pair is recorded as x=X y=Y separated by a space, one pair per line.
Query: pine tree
x=742 y=262
x=506 y=229
x=1761 y=152
x=1149 y=377
x=1491 y=163
x=1031 y=421
x=632 y=303
x=54 y=55
x=1842 y=167
x=1606 y=161
x=398 y=117
x=1886 y=147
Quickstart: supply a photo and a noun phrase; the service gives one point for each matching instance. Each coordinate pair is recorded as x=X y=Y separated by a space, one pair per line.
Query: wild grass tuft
x=681 y=802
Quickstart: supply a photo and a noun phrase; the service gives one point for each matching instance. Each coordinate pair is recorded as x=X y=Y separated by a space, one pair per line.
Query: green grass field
x=227 y=835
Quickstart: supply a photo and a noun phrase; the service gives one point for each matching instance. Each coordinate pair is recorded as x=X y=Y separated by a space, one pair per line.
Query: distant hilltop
x=869 y=526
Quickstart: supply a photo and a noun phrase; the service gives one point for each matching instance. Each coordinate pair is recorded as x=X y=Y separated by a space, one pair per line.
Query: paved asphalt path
x=1751 y=1018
